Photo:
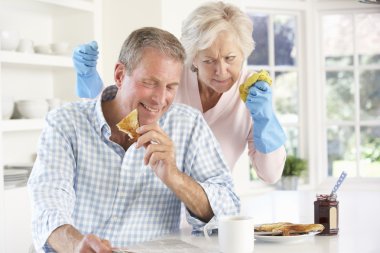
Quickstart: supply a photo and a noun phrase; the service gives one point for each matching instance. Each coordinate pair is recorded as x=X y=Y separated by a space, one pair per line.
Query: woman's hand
x=268 y=134
x=89 y=84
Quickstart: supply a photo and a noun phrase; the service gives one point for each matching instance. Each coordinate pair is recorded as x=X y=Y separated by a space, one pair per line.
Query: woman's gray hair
x=202 y=26
x=133 y=47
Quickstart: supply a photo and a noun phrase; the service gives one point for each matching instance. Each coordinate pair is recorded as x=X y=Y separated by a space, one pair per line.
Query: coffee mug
x=25 y=46
x=235 y=234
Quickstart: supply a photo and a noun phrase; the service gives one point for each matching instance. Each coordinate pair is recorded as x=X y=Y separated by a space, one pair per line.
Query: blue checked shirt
x=82 y=178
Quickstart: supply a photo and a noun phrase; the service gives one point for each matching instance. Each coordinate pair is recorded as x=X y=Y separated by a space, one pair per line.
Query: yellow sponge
x=262 y=75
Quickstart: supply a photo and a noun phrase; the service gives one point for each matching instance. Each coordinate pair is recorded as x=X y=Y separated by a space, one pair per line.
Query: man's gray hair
x=202 y=26
x=133 y=47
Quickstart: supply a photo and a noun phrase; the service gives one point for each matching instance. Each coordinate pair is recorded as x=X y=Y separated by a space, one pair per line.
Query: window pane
x=370 y=95
x=368 y=38
x=341 y=150
x=338 y=40
x=340 y=95
x=291 y=144
x=286 y=96
x=370 y=152
x=260 y=55
x=284 y=40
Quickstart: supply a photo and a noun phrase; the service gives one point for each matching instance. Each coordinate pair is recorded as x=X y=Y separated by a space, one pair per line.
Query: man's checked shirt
x=82 y=178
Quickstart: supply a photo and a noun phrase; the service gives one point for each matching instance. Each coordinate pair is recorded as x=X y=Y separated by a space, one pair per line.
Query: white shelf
x=36 y=76
x=74 y=4
x=14 y=125
x=35 y=59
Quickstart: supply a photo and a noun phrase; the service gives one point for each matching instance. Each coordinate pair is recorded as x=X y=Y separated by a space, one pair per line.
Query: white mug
x=235 y=234
x=25 y=46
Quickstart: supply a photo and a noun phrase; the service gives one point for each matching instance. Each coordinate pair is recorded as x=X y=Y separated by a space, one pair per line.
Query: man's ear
x=119 y=74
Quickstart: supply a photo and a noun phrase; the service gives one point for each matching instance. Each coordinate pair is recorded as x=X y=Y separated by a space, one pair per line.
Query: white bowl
x=42 y=49
x=53 y=103
x=7 y=106
x=32 y=109
x=9 y=40
x=60 y=48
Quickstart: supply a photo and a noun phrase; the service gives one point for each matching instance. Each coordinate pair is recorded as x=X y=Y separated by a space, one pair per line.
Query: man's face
x=151 y=87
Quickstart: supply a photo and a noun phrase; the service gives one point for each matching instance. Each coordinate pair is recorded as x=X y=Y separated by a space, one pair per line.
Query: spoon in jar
x=338 y=183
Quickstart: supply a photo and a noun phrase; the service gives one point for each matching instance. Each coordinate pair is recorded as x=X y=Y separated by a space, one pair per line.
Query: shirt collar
x=107 y=94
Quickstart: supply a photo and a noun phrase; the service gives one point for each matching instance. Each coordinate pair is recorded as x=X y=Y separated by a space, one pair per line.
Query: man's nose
x=159 y=95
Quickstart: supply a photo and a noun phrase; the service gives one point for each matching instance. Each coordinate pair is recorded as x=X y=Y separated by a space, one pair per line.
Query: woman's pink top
x=232 y=126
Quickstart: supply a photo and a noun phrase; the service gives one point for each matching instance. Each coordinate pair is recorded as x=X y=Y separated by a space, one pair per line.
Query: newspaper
x=164 y=245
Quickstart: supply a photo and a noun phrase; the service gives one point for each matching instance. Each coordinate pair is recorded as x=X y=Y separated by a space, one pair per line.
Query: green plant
x=294 y=166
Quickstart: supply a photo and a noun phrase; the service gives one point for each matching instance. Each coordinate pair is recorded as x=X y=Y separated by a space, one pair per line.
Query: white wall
x=120 y=18
x=174 y=12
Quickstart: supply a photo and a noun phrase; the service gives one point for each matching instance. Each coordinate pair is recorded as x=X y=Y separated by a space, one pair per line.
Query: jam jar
x=326 y=212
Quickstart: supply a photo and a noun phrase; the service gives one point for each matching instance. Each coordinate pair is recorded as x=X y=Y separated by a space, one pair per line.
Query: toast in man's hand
x=129 y=124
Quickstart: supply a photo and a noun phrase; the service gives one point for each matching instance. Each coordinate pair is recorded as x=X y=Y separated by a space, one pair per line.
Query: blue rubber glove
x=268 y=134
x=89 y=84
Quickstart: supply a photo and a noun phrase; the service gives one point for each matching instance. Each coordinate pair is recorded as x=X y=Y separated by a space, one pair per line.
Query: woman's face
x=219 y=65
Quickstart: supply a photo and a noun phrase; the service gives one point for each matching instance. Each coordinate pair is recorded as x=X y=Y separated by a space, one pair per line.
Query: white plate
x=285 y=239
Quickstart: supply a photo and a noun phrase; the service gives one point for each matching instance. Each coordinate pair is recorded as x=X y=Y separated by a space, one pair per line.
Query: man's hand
x=160 y=151
x=66 y=238
x=89 y=84
x=92 y=243
x=160 y=155
x=268 y=134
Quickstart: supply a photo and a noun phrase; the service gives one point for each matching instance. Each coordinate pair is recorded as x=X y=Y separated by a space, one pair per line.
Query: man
x=93 y=188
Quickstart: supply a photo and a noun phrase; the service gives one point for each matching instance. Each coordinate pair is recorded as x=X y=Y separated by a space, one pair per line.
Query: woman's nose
x=221 y=67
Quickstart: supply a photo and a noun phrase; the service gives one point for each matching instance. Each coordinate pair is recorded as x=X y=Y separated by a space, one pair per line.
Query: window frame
x=324 y=180
x=312 y=111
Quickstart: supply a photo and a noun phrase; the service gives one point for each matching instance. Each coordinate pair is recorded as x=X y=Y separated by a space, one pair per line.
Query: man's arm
x=68 y=239
x=52 y=194
x=192 y=195
x=160 y=155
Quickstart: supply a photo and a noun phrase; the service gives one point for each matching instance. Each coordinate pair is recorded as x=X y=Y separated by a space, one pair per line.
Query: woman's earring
x=193 y=68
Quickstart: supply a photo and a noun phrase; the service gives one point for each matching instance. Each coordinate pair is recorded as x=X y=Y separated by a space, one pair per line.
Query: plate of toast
x=286 y=231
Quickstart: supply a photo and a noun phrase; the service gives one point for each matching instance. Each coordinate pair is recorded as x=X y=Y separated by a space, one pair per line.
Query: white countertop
x=359 y=224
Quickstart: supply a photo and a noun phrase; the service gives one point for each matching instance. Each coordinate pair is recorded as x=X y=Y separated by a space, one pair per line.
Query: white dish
x=9 y=40
x=42 y=49
x=32 y=109
x=15 y=172
x=60 y=48
x=284 y=239
x=8 y=105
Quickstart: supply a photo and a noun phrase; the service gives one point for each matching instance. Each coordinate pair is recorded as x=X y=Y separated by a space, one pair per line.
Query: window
x=327 y=91
x=351 y=53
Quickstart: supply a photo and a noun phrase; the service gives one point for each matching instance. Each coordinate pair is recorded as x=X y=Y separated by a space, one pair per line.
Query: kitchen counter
x=359 y=225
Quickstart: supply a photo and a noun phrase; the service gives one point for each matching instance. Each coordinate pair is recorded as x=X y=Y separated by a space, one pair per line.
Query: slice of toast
x=298 y=228
x=129 y=124
x=270 y=226
x=287 y=228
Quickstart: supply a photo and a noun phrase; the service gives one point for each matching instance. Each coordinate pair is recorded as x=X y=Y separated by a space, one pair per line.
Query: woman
x=217 y=38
